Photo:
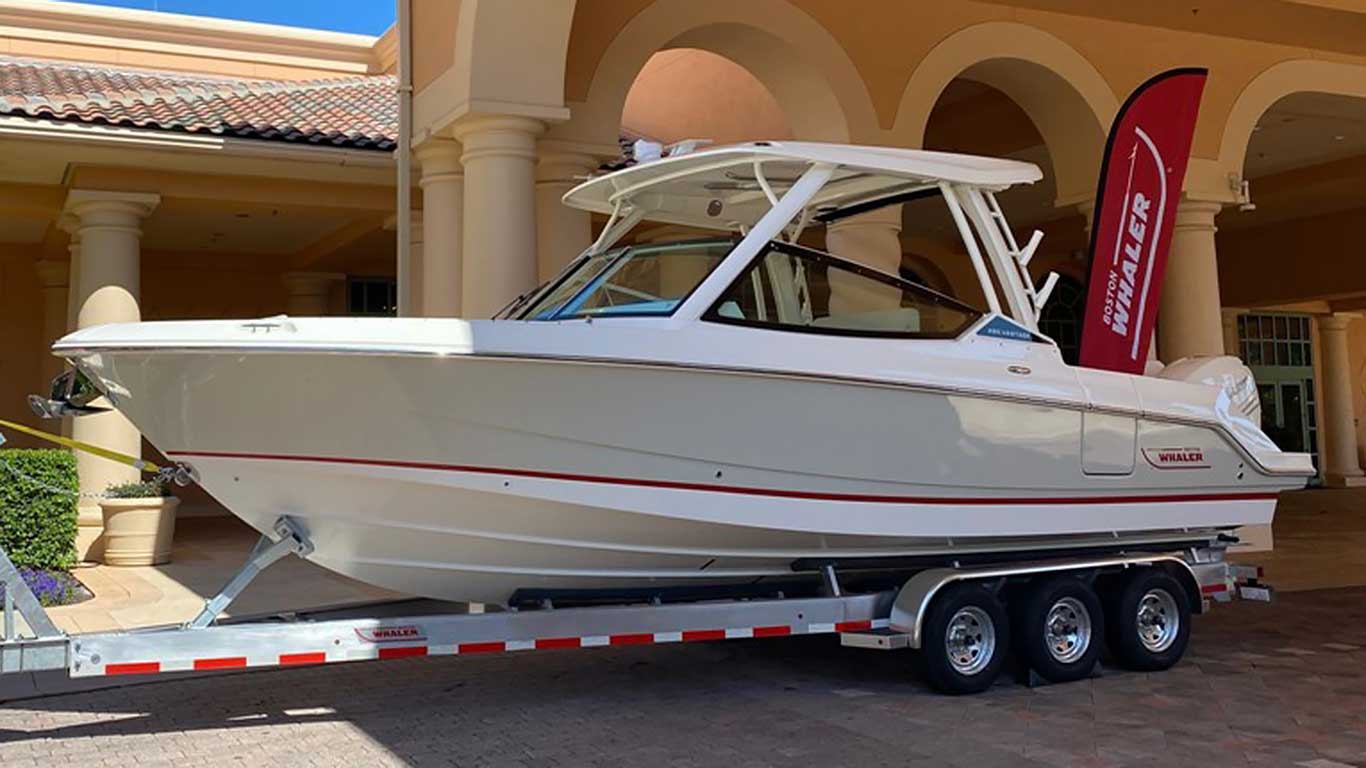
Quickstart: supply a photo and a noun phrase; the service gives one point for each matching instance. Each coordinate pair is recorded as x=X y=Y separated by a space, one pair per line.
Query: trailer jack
x=292 y=541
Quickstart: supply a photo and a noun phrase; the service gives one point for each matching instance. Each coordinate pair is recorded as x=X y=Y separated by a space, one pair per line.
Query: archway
x=1064 y=96
x=1297 y=137
x=789 y=53
x=691 y=93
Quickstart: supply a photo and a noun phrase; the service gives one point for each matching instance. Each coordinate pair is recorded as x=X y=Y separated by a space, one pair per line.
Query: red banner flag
x=1140 y=185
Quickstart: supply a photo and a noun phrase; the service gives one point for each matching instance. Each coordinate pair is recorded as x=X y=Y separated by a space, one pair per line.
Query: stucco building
x=157 y=166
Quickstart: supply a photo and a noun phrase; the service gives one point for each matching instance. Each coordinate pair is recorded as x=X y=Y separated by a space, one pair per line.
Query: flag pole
x=404 y=159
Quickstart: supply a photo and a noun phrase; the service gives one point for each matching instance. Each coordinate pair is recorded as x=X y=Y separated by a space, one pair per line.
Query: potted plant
x=139 y=523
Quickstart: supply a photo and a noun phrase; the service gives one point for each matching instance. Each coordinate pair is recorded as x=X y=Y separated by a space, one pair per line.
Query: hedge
x=38 y=492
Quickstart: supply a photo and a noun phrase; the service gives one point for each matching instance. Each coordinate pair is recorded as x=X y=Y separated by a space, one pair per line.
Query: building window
x=372 y=296
x=1061 y=317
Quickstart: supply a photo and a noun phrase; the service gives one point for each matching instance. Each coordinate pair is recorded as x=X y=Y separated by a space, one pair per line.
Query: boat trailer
x=888 y=619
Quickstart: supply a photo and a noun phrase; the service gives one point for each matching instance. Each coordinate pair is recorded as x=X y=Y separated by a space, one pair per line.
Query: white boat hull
x=467 y=476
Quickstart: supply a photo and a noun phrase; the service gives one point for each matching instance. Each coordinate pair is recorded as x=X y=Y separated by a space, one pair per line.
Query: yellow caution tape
x=80 y=445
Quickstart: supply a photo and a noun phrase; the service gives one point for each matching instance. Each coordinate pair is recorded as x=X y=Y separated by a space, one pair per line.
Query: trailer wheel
x=1150 y=624
x=966 y=635
x=1058 y=628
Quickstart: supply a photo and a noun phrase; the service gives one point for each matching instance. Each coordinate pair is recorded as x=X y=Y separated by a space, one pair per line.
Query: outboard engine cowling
x=1223 y=371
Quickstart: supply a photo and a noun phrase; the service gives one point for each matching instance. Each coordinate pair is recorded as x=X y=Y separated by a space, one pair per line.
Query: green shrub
x=146 y=489
x=38 y=491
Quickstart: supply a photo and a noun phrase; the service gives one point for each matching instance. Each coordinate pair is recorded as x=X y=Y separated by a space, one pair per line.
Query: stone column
x=1189 y=321
x=53 y=281
x=310 y=293
x=415 y=259
x=443 y=210
x=107 y=290
x=415 y=253
x=561 y=232
x=1341 y=465
x=872 y=239
x=1230 y=316
x=500 y=210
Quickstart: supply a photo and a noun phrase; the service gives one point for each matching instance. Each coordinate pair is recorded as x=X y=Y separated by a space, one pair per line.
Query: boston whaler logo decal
x=399 y=634
x=1176 y=458
x=1142 y=175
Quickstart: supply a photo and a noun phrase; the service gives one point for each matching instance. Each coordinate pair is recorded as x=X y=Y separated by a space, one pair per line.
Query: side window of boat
x=793 y=288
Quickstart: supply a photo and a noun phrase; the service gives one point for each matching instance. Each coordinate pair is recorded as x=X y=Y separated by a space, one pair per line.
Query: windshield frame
x=614 y=259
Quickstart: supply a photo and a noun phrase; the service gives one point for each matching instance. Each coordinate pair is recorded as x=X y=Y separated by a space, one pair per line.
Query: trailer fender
x=913 y=599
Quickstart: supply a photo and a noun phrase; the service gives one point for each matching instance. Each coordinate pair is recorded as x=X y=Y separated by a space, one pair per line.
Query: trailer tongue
x=927 y=613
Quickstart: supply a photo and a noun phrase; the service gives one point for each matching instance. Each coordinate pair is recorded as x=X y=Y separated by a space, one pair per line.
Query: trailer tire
x=1149 y=626
x=966 y=637
x=1058 y=628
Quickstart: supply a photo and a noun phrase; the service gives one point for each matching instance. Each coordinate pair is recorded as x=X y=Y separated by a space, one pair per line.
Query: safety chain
x=14 y=471
x=178 y=475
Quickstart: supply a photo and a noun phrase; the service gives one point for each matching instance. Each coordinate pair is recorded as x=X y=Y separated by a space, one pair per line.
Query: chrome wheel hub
x=1159 y=621
x=970 y=640
x=1067 y=630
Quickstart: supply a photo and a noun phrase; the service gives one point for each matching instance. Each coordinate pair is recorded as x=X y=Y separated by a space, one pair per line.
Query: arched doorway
x=1303 y=164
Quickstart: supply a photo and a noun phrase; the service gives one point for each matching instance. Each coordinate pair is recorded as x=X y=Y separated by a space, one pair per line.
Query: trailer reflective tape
x=228 y=648
x=492 y=647
x=227 y=662
x=547 y=643
x=403 y=652
x=133 y=668
x=853 y=626
x=293 y=659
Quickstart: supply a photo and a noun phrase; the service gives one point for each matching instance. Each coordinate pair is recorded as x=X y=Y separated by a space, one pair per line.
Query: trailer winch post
x=292 y=541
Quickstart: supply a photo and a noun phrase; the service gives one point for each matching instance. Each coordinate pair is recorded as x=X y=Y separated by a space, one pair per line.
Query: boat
x=720 y=410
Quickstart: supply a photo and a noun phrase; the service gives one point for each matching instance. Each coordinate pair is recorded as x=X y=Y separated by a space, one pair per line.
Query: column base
x=1334 y=480
x=90 y=535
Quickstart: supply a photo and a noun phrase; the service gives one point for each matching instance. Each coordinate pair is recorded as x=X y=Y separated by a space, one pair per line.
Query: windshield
x=632 y=281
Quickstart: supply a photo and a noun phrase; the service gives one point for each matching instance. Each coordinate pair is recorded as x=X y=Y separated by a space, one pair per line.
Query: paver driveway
x=1263 y=685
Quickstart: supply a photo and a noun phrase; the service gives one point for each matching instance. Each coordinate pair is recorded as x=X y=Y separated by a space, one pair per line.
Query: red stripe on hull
x=742 y=490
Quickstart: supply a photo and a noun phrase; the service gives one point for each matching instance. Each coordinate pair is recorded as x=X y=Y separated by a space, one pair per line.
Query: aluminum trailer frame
x=885 y=619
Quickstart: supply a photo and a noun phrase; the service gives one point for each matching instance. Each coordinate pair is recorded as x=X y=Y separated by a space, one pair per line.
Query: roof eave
x=22 y=127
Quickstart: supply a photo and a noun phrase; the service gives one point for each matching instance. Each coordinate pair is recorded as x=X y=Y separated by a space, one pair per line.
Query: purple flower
x=50 y=587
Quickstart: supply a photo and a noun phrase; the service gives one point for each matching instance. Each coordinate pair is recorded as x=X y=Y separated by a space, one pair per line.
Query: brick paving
x=1278 y=685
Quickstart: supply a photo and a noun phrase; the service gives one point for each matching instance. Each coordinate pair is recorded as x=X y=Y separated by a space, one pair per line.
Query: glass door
x=1279 y=350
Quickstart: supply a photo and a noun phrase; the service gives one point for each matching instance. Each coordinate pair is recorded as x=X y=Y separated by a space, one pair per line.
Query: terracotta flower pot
x=138 y=531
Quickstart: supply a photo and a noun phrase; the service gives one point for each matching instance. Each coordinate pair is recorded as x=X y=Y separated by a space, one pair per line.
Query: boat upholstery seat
x=899 y=320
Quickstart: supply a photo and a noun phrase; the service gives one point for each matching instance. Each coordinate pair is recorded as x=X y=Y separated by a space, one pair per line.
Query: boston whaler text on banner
x=1140 y=185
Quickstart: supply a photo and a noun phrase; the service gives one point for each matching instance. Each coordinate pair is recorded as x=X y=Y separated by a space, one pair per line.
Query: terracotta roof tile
x=358 y=112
